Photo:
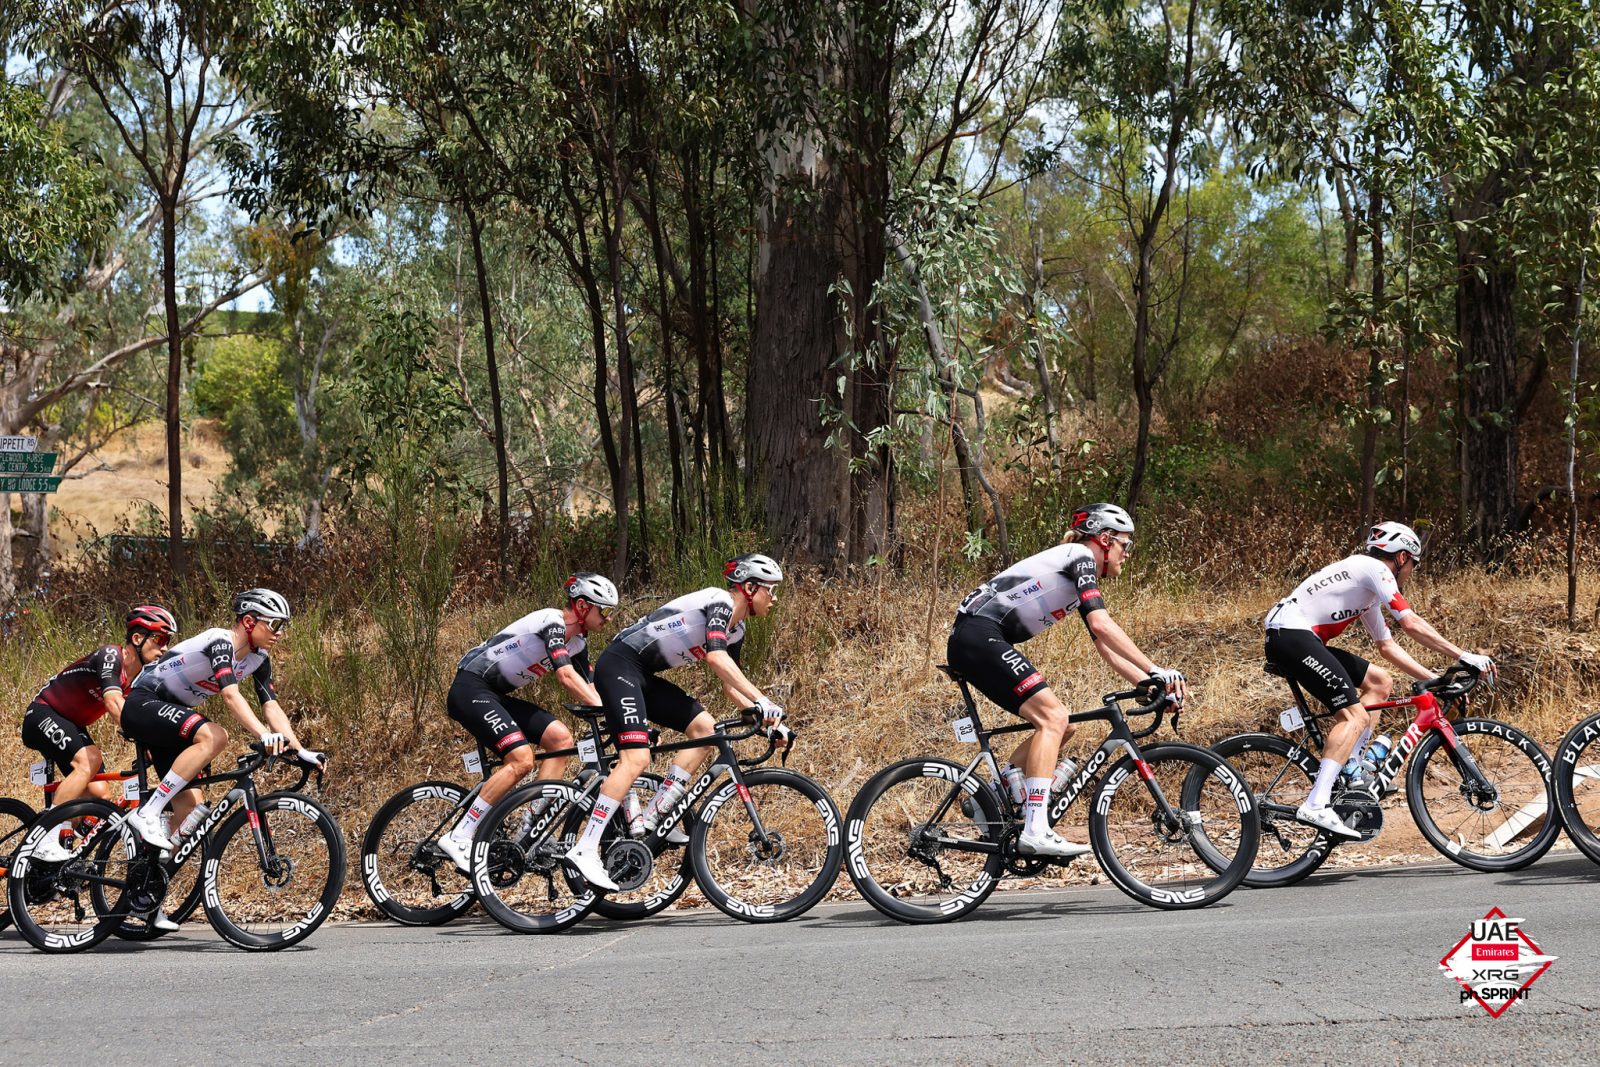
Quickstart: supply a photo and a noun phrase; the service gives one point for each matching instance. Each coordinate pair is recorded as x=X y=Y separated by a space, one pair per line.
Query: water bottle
x=1063 y=777
x=1015 y=782
x=1375 y=754
x=634 y=813
x=192 y=822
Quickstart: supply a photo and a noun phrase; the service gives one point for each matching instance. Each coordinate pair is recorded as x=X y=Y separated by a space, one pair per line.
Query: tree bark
x=486 y=310
x=176 y=555
x=1572 y=436
x=1369 y=431
x=1486 y=369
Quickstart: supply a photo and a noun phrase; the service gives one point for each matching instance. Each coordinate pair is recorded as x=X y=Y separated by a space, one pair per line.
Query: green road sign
x=22 y=484
x=27 y=462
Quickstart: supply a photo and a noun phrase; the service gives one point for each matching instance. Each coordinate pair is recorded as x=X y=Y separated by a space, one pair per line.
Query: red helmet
x=151 y=619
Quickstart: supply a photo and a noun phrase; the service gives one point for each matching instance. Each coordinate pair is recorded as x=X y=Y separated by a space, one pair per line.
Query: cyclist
x=1023 y=601
x=705 y=626
x=160 y=711
x=549 y=640
x=55 y=724
x=1361 y=586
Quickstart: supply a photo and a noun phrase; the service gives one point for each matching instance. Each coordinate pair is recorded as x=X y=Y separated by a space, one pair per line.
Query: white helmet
x=753 y=568
x=595 y=588
x=262 y=603
x=1392 y=537
x=1097 y=518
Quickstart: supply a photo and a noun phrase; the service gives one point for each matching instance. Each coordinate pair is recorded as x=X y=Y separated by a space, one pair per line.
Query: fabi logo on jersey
x=1031 y=589
x=1495 y=963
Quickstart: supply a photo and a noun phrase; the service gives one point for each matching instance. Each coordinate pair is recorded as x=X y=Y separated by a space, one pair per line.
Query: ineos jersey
x=203 y=666
x=1037 y=593
x=529 y=648
x=1326 y=603
x=682 y=631
x=78 y=692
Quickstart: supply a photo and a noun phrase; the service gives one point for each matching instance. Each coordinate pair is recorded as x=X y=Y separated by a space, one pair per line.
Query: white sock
x=469 y=822
x=1035 y=819
x=157 y=803
x=1322 y=789
x=604 y=808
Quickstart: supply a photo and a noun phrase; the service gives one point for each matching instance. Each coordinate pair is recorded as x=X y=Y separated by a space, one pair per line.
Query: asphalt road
x=1342 y=969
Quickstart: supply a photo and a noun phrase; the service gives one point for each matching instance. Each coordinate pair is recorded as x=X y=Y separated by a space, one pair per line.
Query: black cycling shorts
x=634 y=698
x=47 y=731
x=1331 y=675
x=162 y=728
x=499 y=722
x=979 y=651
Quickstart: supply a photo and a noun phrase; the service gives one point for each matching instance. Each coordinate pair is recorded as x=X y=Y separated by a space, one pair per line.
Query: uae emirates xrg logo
x=1495 y=963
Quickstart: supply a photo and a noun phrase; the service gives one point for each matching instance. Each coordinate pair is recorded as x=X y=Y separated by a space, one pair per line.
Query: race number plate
x=587 y=751
x=130 y=789
x=39 y=773
x=965 y=732
x=472 y=762
x=1291 y=719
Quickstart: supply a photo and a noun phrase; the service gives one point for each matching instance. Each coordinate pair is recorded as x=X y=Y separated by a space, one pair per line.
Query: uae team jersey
x=203 y=666
x=528 y=649
x=682 y=631
x=1035 y=594
x=78 y=692
x=1326 y=603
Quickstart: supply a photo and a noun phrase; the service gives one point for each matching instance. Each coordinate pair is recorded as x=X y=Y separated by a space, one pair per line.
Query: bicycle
x=15 y=815
x=1485 y=805
x=293 y=844
x=768 y=858
x=414 y=883
x=1577 y=786
x=929 y=839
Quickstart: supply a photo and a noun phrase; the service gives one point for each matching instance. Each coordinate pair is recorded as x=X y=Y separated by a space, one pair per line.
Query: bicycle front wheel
x=15 y=815
x=53 y=904
x=769 y=851
x=1279 y=773
x=1577 y=779
x=912 y=866
x=518 y=868
x=1500 y=817
x=269 y=891
x=404 y=872
x=1177 y=829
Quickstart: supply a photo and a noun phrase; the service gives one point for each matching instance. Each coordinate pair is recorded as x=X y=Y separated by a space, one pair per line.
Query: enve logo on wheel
x=1495 y=963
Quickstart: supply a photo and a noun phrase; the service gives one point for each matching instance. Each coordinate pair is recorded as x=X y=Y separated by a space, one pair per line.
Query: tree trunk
x=1572 y=438
x=1486 y=368
x=1369 y=431
x=476 y=232
x=169 y=292
x=1041 y=361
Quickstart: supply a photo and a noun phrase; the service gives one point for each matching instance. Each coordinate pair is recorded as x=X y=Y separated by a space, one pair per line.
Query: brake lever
x=787 y=736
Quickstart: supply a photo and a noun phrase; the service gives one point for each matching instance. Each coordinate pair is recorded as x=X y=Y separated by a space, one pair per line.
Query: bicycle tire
x=1513 y=762
x=1128 y=829
x=879 y=842
x=15 y=815
x=653 y=897
x=391 y=837
x=797 y=863
x=1578 y=787
x=518 y=872
x=31 y=891
x=303 y=833
x=1280 y=774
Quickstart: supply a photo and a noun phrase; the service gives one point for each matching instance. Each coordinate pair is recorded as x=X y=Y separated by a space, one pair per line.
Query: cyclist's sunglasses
x=277 y=626
x=1126 y=543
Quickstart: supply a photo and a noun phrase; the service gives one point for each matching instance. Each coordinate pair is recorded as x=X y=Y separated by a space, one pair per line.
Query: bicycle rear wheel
x=660 y=879
x=1178 y=830
x=517 y=859
x=1279 y=773
x=404 y=872
x=272 y=900
x=1503 y=822
x=912 y=867
x=53 y=904
x=776 y=870
x=1577 y=780
x=15 y=815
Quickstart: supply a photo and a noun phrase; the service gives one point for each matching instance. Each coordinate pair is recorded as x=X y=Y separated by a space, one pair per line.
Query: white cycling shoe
x=1050 y=843
x=460 y=854
x=50 y=849
x=149 y=828
x=160 y=921
x=1325 y=819
x=593 y=870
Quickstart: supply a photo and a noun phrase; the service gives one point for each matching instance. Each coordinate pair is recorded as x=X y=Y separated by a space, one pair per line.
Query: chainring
x=1016 y=863
x=1360 y=812
x=629 y=863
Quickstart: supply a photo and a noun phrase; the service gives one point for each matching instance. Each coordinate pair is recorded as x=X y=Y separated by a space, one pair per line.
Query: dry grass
x=859 y=662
